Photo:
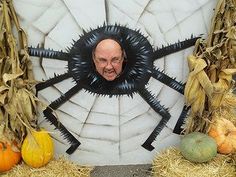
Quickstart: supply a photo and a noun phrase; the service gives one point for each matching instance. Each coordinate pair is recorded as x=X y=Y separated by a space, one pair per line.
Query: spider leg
x=48 y=53
x=162 y=77
x=181 y=119
x=51 y=81
x=53 y=120
x=159 y=53
x=171 y=82
x=155 y=105
x=179 y=87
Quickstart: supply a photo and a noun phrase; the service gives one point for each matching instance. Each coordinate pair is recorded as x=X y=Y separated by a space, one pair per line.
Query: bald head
x=108 y=45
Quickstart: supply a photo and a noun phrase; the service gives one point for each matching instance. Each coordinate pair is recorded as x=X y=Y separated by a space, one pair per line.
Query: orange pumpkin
x=224 y=132
x=8 y=157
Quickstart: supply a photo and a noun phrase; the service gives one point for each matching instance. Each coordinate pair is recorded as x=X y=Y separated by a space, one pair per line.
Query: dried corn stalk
x=209 y=86
x=17 y=100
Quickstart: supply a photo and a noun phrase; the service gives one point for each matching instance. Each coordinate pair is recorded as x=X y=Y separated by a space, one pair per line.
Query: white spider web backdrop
x=112 y=130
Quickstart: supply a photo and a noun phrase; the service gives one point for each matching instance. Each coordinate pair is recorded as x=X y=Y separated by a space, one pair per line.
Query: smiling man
x=108 y=58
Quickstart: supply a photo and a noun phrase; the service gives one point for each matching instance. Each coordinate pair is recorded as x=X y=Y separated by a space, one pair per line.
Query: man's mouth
x=109 y=72
x=110 y=75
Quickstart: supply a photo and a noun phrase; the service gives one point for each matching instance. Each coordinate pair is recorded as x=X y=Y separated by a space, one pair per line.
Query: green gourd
x=198 y=147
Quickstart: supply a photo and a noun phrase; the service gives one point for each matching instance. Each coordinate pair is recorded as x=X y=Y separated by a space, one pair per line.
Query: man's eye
x=102 y=61
x=116 y=60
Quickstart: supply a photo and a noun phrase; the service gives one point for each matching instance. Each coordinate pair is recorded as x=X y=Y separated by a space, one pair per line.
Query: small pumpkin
x=37 y=148
x=8 y=157
x=198 y=147
x=224 y=133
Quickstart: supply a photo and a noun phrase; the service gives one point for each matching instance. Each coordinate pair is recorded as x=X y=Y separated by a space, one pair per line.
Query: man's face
x=108 y=59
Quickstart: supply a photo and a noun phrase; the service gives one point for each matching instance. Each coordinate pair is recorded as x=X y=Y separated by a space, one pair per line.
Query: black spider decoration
x=133 y=79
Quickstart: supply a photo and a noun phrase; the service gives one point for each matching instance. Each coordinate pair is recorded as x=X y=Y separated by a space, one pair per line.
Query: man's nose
x=109 y=65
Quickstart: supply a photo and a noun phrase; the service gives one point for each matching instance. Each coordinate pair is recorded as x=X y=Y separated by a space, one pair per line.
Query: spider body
x=137 y=71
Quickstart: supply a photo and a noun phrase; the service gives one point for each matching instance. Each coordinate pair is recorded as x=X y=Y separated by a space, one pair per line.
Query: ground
x=122 y=171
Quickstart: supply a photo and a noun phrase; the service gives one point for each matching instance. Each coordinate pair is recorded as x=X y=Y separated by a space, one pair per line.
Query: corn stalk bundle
x=17 y=100
x=210 y=84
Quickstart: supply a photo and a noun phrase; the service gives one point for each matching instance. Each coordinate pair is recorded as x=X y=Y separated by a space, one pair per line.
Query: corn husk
x=210 y=85
x=18 y=104
x=60 y=167
x=170 y=163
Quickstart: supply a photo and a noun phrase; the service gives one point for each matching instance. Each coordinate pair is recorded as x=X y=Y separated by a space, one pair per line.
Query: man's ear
x=124 y=54
x=93 y=55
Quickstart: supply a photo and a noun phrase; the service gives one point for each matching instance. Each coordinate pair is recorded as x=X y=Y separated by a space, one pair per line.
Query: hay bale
x=170 y=163
x=55 y=168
